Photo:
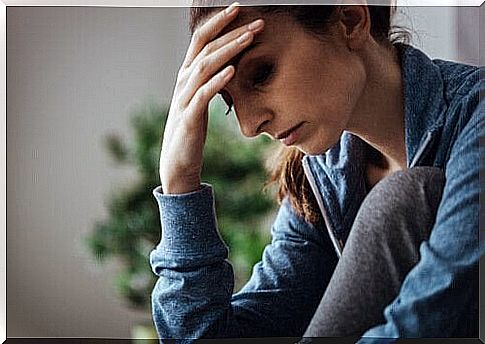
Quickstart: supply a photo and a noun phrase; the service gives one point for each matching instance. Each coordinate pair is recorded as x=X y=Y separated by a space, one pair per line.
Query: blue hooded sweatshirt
x=193 y=297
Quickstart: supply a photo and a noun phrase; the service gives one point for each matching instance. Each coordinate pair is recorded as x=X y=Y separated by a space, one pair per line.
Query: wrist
x=180 y=187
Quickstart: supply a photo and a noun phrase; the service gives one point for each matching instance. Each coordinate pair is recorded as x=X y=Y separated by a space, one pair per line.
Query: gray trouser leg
x=383 y=245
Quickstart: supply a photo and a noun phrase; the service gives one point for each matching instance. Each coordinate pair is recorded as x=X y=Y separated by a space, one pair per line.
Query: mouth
x=289 y=136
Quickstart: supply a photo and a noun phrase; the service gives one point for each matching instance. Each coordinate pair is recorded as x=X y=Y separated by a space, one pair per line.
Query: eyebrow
x=237 y=59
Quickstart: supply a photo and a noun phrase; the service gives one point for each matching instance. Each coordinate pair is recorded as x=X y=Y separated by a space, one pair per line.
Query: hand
x=199 y=80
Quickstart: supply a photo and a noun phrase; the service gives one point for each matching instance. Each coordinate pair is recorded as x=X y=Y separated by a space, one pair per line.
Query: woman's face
x=292 y=86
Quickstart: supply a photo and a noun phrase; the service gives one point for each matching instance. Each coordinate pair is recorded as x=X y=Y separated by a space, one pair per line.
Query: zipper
x=421 y=150
x=337 y=244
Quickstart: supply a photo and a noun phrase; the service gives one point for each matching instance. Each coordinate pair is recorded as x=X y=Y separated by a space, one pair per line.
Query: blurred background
x=87 y=94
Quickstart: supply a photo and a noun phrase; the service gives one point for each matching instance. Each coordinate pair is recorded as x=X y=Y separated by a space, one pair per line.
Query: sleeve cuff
x=189 y=227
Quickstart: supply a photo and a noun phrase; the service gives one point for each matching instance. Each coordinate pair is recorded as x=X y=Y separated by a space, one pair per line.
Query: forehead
x=277 y=28
x=273 y=18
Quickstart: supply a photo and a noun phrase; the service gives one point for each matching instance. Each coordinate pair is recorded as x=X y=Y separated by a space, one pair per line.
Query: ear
x=354 y=20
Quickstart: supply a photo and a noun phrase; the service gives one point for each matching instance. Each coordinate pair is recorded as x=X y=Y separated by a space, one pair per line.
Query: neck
x=378 y=118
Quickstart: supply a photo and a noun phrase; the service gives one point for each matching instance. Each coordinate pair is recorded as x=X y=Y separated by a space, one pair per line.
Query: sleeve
x=441 y=291
x=193 y=294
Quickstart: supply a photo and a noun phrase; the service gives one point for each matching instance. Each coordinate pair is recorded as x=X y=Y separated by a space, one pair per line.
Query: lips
x=286 y=133
x=290 y=136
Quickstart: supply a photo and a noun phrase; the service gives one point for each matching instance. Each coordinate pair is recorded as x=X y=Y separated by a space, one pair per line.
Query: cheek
x=332 y=104
x=339 y=92
x=355 y=85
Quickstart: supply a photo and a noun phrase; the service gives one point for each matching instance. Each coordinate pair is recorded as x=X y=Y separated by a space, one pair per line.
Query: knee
x=416 y=187
x=421 y=175
x=405 y=200
x=394 y=219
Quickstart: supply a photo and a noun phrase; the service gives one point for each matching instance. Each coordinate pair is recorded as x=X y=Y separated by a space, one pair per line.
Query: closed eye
x=262 y=74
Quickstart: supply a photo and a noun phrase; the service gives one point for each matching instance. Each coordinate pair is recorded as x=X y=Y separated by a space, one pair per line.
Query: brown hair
x=288 y=172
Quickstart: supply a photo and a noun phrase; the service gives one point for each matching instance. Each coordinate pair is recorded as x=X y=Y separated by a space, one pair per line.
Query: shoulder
x=289 y=221
x=441 y=97
x=463 y=92
x=463 y=88
x=461 y=82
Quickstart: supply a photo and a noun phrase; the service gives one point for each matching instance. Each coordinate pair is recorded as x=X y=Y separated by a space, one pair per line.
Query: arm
x=442 y=288
x=193 y=296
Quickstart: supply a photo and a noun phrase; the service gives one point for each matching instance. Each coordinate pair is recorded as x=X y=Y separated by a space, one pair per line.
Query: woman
x=377 y=233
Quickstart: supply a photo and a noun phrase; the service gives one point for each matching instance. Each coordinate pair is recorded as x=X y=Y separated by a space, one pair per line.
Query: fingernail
x=244 y=37
x=232 y=8
x=227 y=74
x=256 y=24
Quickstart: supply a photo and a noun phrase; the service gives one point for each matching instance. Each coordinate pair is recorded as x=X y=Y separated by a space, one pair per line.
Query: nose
x=253 y=122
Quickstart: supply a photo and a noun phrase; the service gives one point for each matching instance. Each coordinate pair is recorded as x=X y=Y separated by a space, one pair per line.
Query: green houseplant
x=232 y=164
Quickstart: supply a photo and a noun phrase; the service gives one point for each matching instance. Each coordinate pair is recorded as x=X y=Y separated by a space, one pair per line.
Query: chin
x=318 y=146
x=312 y=150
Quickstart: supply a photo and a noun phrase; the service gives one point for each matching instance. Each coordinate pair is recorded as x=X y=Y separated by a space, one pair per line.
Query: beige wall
x=73 y=76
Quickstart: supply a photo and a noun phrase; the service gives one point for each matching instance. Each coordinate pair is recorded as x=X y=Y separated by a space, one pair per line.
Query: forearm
x=192 y=298
x=193 y=304
x=195 y=280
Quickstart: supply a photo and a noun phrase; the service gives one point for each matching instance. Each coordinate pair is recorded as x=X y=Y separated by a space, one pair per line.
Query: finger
x=205 y=93
x=204 y=70
x=208 y=31
x=255 y=26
